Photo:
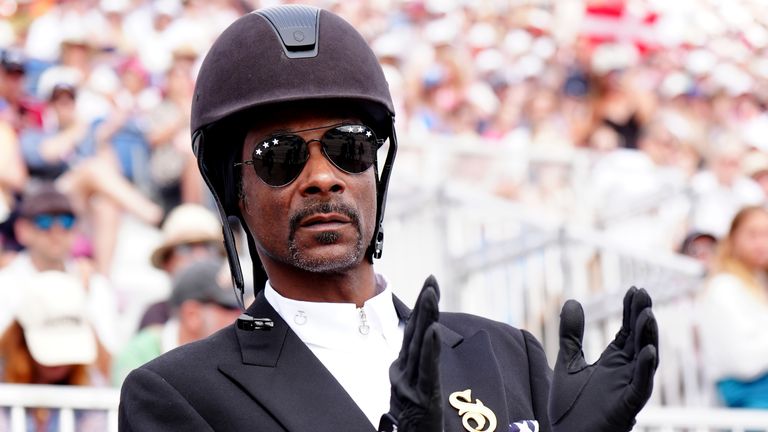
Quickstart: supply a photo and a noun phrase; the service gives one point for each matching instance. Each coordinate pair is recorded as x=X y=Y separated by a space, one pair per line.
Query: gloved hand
x=606 y=395
x=415 y=402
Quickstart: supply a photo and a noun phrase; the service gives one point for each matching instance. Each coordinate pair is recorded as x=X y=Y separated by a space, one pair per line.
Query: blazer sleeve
x=149 y=403
x=541 y=378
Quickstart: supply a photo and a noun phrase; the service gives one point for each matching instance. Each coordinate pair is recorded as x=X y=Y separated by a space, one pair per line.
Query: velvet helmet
x=277 y=56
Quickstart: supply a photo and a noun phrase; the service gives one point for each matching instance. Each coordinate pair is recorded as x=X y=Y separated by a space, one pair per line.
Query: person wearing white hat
x=190 y=233
x=51 y=342
x=47 y=226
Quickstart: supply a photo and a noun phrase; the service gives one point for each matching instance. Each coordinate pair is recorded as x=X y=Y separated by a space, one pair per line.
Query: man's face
x=50 y=242
x=321 y=222
x=12 y=83
x=185 y=253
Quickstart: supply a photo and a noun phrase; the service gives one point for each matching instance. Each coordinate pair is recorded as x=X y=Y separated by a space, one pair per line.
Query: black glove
x=415 y=403
x=607 y=395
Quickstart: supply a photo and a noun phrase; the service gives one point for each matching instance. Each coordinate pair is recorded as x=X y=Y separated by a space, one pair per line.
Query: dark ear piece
x=224 y=175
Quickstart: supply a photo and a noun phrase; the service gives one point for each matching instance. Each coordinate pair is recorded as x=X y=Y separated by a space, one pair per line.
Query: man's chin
x=327 y=258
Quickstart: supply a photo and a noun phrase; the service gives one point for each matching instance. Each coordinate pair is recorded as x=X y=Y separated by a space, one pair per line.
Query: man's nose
x=320 y=176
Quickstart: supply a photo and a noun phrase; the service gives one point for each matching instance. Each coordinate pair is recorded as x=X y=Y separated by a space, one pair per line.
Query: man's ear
x=22 y=229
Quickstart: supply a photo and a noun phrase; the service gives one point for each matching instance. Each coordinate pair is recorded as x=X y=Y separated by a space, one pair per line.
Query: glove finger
x=432 y=281
x=639 y=333
x=640 y=302
x=571 y=334
x=410 y=327
x=647 y=331
x=621 y=336
x=425 y=314
x=428 y=380
x=639 y=390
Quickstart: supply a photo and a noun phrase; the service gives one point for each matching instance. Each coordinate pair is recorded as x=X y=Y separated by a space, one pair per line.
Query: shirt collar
x=334 y=324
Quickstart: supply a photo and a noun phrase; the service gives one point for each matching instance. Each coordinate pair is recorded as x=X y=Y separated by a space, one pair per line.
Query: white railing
x=496 y=259
x=654 y=419
x=15 y=399
x=506 y=261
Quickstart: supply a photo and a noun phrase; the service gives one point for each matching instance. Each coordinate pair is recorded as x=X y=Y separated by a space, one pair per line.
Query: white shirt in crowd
x=732 y=327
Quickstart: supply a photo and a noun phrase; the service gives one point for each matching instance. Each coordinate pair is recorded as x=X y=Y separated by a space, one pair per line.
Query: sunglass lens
x=352 y=148
x=44 y=221
x=280 y=159
x=67 y=221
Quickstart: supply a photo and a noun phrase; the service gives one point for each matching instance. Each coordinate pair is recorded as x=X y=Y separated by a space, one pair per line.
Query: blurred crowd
x=644 y=118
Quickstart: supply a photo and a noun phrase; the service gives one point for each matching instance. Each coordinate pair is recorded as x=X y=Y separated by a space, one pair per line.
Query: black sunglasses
x=279 y=158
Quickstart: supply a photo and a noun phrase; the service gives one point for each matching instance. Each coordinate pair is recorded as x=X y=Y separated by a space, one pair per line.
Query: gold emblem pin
x=475 y=412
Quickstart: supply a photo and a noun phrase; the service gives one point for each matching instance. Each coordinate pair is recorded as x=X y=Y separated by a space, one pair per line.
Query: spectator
x=62 y=153
x=13 y=172
x=123 y=131
x=173 y=171
x=701 y=246
x=734 y=313
x=190 y=233
x=49 y=152
x=16 y=107
x=47 y=228
x=201 y=303
x=50 y=341
x=755 y=165
x=618 y=101
x=722 y=189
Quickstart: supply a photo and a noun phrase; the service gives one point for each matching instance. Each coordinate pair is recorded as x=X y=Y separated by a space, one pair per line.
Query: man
x=199 y=305
x=290 y=108
x=190 y=233
x=51 y=151
x=47 y=228
x=16 y=107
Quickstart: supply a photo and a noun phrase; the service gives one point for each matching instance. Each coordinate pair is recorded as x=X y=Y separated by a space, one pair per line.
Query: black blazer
x=269 y=381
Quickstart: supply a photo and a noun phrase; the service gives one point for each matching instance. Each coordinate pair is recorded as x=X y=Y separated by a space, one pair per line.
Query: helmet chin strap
x=381 y=192
x=229 y=237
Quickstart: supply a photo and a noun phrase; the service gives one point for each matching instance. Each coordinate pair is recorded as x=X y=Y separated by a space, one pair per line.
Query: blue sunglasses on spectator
x=45 y=221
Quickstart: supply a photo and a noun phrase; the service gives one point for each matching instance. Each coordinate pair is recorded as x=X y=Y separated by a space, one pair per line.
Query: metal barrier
x=15 y=399
x=654 y=419
x=510 y=262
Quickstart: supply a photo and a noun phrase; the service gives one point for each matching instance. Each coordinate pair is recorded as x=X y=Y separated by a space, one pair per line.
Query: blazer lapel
x=466 y=365
x=285 y=377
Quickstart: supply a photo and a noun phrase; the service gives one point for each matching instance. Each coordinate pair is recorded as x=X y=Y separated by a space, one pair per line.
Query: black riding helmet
x=272 y=57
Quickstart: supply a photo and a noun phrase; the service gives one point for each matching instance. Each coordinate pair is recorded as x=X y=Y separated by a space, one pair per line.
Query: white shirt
x=732 y=326
x=335 y=333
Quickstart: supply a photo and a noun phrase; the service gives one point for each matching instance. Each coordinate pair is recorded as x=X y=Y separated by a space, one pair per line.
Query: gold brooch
x=476 y=412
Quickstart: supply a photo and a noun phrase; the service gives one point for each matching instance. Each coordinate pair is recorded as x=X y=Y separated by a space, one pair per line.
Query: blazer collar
x=281 y=374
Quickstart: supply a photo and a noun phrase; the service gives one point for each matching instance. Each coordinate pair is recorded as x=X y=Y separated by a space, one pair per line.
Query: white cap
x=53 y=316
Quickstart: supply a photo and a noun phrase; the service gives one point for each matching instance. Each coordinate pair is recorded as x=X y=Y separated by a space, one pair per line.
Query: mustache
x=320 y=208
